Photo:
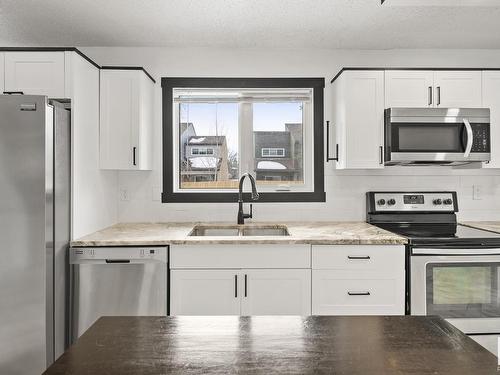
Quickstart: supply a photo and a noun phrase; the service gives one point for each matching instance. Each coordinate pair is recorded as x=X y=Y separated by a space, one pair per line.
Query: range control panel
x=412 y=201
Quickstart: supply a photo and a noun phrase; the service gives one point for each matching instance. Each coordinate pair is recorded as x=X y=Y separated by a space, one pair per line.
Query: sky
x=266 y=116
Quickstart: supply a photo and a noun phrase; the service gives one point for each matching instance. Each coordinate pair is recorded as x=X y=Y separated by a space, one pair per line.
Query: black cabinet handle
x=245 y=285
x=358 y=293
x=381 y=155
x=358 y=257
x=133 y=155
x=13 y=92
x=438 y=95
x=235 y=286
x=328 y=158
x=430 y=95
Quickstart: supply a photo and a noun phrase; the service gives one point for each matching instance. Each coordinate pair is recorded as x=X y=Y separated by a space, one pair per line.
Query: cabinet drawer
x=385 y=259
x=342 y=293
x=240 y=256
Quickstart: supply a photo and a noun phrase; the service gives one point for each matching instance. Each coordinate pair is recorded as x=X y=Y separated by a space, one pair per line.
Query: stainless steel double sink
x=239 y=230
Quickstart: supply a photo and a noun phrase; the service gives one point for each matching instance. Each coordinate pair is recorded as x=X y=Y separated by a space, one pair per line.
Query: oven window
x=463 y=290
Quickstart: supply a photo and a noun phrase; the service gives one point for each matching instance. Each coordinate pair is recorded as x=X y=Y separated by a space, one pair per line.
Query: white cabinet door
x=126 y=116
x=409 y=88
x=491 y=100
x=205 y=292
x=359 y=103
x=36 y=73
x=276 y=292
x=336 y=292
x=454 y=89
x=2 y=72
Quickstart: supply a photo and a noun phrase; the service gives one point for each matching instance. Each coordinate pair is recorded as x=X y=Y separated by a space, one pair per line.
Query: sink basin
x=265 y=231
x=238 y=231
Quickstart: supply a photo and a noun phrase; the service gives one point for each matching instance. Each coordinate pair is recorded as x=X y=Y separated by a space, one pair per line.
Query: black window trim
x=169 y=83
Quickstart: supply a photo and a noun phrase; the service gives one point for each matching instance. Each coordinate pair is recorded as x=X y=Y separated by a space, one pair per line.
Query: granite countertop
x=316 y=233
x=379 y=345
x=492 y=226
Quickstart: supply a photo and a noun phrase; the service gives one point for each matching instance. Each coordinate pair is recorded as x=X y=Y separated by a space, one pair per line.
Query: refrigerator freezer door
x=26 y=234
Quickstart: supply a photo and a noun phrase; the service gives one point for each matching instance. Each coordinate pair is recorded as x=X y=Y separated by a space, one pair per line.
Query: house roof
x=207 y=140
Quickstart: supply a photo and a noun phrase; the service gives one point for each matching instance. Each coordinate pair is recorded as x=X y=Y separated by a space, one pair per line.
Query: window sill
x=169 y=197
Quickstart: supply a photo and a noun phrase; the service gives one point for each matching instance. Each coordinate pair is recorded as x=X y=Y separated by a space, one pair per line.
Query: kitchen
x=154 y=222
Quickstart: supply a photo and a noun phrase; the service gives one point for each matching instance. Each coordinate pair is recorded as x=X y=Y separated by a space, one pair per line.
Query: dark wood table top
x=266 y=345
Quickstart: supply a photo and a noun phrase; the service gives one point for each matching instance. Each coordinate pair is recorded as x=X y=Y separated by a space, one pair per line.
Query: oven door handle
x=470 y=138
x=456 y=250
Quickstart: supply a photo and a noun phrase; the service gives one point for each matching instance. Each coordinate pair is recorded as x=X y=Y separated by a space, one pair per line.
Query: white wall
x=345 y=189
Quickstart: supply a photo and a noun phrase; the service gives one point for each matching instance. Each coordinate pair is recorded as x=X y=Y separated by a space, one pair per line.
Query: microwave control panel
x=481 y=138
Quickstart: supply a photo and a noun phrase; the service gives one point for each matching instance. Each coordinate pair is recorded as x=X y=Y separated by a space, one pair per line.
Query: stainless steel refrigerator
x=34 y=231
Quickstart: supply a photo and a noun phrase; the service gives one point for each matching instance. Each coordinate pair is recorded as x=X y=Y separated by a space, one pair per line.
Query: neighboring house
x=205 y=159
x=278 y=154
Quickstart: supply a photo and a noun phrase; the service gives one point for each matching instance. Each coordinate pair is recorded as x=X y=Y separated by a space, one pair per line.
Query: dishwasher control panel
x=118 y=254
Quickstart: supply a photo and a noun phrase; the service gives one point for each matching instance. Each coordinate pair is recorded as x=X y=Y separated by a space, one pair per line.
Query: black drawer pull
x=117 y=261
x=358 y=293
x=358 y=257
x=13 y=93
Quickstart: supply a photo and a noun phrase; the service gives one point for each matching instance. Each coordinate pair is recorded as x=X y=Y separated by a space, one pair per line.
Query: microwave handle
x=470 y=138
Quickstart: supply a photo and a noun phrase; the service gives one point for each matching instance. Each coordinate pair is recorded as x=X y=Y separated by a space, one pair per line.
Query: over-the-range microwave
x=443 y=136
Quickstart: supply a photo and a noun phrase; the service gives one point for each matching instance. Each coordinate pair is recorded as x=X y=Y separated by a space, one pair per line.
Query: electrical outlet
x=124 y=196
x=477 y=192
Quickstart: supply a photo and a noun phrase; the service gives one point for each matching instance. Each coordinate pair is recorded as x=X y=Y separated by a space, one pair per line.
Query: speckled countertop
x=316 y=233
x=492 y=226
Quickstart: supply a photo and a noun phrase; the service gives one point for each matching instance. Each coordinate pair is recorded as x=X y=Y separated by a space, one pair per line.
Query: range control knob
x=381 y=202
x=391 y=202
x=437 y=201
x=448 y=201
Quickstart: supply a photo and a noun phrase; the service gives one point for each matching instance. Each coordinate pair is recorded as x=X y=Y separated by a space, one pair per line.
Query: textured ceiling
x=246 y=23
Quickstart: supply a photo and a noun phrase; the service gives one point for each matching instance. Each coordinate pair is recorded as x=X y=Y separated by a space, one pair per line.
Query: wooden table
x=267 y=345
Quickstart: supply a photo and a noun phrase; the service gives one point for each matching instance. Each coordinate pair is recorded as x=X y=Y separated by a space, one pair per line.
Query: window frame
x=269 y=152
x=168 y=84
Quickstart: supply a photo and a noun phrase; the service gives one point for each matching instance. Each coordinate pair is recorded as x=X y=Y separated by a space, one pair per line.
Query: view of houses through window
x=224 y=134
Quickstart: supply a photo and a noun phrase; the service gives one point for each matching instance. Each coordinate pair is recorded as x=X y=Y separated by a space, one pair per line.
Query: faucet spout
x=255 y=195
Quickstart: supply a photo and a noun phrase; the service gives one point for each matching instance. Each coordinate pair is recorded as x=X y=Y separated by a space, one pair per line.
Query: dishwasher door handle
x=122 y=261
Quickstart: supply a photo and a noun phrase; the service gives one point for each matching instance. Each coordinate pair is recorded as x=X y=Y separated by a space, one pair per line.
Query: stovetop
x=442 y=233
x=425 y=218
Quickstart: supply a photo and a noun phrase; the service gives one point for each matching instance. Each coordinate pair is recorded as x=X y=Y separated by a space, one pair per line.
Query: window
x=202 y=151
x=215 y=129
x=273 y=152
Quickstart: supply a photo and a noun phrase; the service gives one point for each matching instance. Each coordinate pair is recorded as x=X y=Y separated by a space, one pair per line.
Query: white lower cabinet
x=276 y=292
x=204 y=292
x=240 y=292
x=240 y=280
x=358 y=280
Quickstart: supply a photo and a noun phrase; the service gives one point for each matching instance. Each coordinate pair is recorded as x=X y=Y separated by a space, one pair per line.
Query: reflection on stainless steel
x=34 y=227
x=116 y=281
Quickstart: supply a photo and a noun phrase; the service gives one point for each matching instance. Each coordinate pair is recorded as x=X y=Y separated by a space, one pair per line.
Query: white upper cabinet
x=276 y=292
x=126 y=116
x=36 y=73
x=409 y=88
x=359 y=119
x=491 y=100
x=435 y=89
x=455 y=89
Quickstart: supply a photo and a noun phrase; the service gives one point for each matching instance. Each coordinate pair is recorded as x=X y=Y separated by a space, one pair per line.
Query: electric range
x=451 y=270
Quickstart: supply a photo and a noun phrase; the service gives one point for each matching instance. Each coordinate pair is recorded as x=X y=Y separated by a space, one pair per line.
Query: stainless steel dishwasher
x=119 y=281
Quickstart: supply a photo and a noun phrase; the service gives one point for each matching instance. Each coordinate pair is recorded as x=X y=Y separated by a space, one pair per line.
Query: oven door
x=442 y=140
x=455 y=283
